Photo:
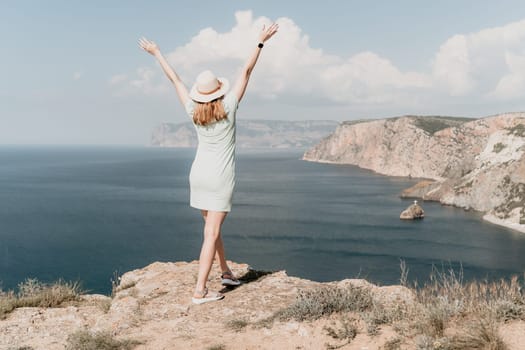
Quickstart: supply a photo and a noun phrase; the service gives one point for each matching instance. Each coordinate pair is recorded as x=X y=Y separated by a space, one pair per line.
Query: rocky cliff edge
x=152 y=307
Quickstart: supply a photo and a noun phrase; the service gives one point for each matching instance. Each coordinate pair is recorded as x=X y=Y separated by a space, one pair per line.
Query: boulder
x=414 y=211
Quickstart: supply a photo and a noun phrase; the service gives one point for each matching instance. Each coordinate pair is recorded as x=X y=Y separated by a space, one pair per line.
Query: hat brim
x=195 y=95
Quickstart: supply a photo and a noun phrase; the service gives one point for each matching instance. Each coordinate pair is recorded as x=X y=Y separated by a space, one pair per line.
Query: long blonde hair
x=209 y=112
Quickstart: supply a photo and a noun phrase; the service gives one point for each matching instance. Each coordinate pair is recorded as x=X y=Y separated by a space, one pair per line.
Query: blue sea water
x=87 y=213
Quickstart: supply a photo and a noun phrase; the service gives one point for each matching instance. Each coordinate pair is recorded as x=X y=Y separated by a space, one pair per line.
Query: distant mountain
x=251 y=134
x=470 y=163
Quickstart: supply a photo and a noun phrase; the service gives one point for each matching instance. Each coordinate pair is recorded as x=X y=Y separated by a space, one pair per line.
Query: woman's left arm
x=153 y=49
x=242 y=81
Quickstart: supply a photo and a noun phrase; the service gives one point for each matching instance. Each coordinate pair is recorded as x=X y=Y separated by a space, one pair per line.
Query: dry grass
x=448 y=295
x=325 y=300
x=322 y=301
x=445 y=304
x=85 y=340
x=32 y=293
x=481 y=334
x=474 y=309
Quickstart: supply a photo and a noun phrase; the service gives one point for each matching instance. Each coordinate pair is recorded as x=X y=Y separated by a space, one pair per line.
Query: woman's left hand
x=267 y=33
x=149 y=46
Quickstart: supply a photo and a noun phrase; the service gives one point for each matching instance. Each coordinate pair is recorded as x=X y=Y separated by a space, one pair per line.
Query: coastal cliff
x=474 y=164
x=150 y=308
x=250 y=134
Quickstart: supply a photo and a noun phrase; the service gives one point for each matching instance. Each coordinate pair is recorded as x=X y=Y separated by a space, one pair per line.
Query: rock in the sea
x=414 y=211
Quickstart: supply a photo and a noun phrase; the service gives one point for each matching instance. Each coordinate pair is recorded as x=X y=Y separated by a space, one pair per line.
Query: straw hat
x=208 y=87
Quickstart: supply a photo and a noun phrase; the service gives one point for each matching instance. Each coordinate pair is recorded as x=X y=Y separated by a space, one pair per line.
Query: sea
x=91 y=213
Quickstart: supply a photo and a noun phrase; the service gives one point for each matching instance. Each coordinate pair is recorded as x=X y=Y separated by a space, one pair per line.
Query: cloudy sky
x=72 y=72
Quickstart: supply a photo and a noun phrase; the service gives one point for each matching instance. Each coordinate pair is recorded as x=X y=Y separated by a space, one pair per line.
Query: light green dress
x=212 y=175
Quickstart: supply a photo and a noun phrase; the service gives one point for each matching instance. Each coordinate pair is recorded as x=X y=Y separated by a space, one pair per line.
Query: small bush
x=217 y=347
x=482 y=334
x=434 y=319
x=237 y=325
x=85 y=340
x=32 y=293
x=498 y=147
x=345 y=331
x=375 y=316
x=393 y=344
x=322 y=301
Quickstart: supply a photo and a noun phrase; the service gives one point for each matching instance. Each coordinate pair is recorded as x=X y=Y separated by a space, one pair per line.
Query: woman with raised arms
x=212 y=107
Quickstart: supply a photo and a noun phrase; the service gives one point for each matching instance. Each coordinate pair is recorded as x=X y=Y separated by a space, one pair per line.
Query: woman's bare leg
x=212 y=229
x=219 y=247
x=221 y=256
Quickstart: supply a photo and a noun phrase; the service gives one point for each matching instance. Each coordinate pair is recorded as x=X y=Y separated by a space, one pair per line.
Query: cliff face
x=478 y=164
x=250 y=134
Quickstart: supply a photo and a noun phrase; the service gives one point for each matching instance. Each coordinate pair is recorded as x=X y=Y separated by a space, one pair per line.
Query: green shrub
x=498 y=147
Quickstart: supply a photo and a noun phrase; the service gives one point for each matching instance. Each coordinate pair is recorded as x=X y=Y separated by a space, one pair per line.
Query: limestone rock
x=414 y=211
x=153 y=305
x=474 y=164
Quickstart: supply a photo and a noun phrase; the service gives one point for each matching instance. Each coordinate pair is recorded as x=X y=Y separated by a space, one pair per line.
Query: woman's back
x=212 y=175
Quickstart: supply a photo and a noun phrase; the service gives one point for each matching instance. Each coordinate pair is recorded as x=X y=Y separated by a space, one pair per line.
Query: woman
x=212 y=176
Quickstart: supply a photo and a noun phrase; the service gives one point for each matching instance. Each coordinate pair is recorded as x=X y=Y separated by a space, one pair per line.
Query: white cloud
x=289 y=66
x=117 y=78
x=452 y=66
x=489 y=64
x=146 y=81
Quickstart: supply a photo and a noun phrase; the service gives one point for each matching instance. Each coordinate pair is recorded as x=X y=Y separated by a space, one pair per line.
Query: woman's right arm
x=153 y=49
x=242 y=82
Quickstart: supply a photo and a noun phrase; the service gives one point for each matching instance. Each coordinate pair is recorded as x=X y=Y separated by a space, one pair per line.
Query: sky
x=73 y=73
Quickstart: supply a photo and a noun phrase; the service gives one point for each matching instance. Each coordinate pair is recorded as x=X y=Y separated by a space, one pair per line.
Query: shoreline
x=497 y=221
x=486 y=216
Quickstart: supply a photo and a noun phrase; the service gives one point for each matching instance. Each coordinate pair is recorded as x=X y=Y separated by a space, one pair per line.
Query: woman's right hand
x=267 y=33
x=149 y=46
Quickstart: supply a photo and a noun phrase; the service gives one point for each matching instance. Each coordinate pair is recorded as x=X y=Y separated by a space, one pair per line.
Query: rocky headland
x=474 y=164
x=151 y=308
x=250 y=134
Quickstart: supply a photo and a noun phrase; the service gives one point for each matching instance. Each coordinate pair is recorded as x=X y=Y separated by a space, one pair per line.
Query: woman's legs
x=212 y=232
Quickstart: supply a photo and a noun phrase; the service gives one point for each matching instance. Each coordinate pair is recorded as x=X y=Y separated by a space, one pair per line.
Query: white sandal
x=227 y=279
x=205 y=298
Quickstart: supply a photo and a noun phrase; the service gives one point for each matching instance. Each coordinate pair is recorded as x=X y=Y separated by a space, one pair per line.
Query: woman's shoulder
x=189 y=106
x=230 y=102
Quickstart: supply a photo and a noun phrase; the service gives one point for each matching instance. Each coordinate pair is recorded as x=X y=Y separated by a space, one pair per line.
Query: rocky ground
x=153 y=306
